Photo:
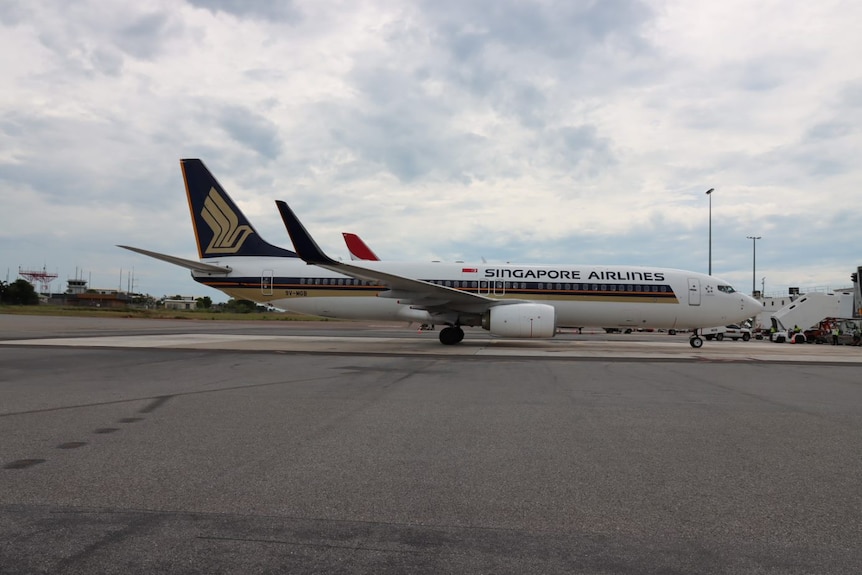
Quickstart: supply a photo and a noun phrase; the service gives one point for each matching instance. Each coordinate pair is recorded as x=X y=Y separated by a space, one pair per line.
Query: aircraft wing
x=417 y=292
x=182 y=262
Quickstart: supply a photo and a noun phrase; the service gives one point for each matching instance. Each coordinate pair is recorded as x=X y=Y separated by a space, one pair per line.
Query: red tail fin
x=358 y=249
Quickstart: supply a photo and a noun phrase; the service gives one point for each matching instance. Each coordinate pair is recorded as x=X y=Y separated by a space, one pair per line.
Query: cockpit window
x=726 y=289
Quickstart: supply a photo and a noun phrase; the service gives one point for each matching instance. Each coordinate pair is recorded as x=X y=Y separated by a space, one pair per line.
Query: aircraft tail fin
x=221 y=229
x=359 y=250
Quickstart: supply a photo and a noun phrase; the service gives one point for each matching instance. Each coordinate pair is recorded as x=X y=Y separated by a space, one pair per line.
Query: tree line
x=22 y=292
x=19 y=292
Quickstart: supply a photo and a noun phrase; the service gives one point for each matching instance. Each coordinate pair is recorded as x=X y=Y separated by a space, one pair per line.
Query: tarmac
x=395 y=339
x=142 y=446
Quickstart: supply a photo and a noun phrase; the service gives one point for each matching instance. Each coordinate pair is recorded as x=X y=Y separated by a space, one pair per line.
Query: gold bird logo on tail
x=228 y=234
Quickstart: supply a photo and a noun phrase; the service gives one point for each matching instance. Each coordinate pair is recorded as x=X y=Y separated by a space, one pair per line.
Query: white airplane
x=508 y=300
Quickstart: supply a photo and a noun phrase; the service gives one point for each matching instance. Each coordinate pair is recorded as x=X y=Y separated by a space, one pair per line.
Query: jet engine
x=524 y=320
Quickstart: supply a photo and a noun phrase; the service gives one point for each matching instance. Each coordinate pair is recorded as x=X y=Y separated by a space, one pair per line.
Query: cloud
x=547 y=131
x=252 y=130
x=285 y=10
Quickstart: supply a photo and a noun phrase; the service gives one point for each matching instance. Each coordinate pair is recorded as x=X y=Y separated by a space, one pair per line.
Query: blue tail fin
x=221 y=229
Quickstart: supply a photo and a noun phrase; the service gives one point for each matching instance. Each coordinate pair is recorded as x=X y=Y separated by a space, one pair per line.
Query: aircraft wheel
x=696 y=342
x=451 y=335
x=448 y=336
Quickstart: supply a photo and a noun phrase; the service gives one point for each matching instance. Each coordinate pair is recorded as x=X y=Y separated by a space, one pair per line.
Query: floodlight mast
x=753 y=262
x=709 y=193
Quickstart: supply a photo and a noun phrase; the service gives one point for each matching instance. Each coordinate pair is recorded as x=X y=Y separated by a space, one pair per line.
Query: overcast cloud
x=538 y=132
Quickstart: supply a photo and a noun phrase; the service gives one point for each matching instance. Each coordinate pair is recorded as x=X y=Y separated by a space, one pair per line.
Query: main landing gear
x=451 y=335
x=695 y=341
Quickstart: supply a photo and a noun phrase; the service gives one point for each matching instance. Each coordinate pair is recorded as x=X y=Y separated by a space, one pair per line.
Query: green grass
x=72 y=311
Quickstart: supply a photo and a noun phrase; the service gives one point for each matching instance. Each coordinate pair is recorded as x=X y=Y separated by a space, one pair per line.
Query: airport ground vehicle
x=849 y=331
x=806 y=312
x=732 y=331
x=810 y=319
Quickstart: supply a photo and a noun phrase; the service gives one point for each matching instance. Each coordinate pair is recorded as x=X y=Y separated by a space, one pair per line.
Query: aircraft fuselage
x=610 y=296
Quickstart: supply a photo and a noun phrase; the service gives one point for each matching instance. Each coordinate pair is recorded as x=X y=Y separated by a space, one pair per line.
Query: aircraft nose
x=751 y=306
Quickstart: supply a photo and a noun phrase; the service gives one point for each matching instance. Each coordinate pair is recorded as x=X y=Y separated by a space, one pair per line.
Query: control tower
x=76 y=286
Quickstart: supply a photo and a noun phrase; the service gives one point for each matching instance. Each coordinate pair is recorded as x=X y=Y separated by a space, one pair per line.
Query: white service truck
x=732 y=331
x=804 y=313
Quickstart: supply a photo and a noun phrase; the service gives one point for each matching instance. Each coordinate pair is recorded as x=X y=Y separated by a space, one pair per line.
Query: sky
x=579 y=132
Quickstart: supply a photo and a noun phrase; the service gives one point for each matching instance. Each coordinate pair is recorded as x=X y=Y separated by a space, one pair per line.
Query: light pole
x=753 y=261
x=709 y=193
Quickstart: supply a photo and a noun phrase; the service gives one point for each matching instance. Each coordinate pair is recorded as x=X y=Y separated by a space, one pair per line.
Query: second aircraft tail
x=358 y=249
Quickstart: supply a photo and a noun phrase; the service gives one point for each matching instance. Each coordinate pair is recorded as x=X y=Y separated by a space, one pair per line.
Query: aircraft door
x=266 y=282
x=693 y=291
x=492 y=287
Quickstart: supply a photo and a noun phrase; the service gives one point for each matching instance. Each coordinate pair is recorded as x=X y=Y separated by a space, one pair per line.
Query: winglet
x=303 y=243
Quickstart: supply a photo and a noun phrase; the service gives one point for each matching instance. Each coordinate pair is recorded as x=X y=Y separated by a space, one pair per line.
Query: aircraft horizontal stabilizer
x=182 y=262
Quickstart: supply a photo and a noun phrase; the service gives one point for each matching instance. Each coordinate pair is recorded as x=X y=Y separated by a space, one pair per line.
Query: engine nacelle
x=525 y=320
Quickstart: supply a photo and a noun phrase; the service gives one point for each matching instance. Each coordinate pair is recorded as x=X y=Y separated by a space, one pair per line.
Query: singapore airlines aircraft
x=508 y=300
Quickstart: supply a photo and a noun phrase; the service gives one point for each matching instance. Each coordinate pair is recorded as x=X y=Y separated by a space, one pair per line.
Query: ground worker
x=835 y=333
x=791 y=333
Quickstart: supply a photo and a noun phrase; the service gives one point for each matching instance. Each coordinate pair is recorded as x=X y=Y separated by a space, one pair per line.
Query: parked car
x=736 y=332
x=731 y=331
